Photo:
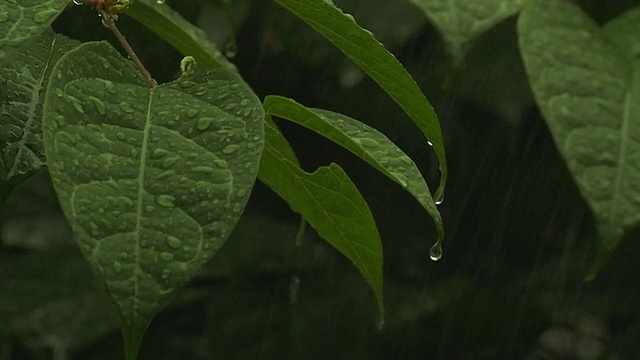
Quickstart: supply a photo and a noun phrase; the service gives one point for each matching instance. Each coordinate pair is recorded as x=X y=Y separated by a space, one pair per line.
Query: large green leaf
x=174 y=29
x=367 y=143
x=330 y=202
x=152 y=181
x=23 y=82
x=461 y=21
x=369 y=54
x=588 y=89
x=22 y=20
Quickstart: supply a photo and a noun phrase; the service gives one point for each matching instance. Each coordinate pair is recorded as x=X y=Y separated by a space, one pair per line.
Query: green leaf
x=460 y=22
x=367 y=143
x=587 y=88
x=370 y=55
x=181 y=34
x=23 y=82
x=330 y=202
x=20 y=21
x=152 y=181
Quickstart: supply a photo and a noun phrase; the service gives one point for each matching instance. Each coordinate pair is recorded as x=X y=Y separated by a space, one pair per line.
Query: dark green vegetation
x=539 y=107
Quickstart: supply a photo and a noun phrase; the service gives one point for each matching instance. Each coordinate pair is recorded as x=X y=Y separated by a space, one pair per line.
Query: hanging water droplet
x=117 y=267
x=78 y=2
x=166 y=201
x=435 y=253
x=203 y=123
x=429 y=143
x=439 y=198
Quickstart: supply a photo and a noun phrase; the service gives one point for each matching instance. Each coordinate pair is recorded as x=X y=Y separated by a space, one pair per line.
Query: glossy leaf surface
x=21 y=21
x=370 y=55
x=152 y=181
x=461 y=21
x=365 y=142
x=592 y=107
x=330 y=202
x=24 y=80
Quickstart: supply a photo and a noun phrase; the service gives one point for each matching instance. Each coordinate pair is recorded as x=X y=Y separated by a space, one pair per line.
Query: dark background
x=519 y=237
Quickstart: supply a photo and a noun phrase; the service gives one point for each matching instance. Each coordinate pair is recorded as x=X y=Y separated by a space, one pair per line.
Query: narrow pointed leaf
x=21 y=21
x=365 y=142
x=331 y=203
x=181 y=34
x=152 y=181
x=370 y=55
x=23 y=82
x=461 y=21
x=588 y=89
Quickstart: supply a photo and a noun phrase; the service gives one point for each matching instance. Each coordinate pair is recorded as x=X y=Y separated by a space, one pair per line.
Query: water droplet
x=109 y=87
x=100 y=106
x=429 y=143
x=166 y=273
x=117 y=267
x=237 y=208
x=435 y=253
x=94 y=229
x=150 y=208
x=369 y=142
x=159 y=153
x=203 y=123
x=402 y=179
x=76 y=104
x=166 y=256
x=174 y=242
x=126 y=107
x=121 y=136
x=244 y=102
x=78 y=2
x=221 y=164
x=406 y=160
x=166 y=200
x=165 y=174
x=241 y=193
x=203 y=169
x=439 y=197
x=159 y=2
x=169 y=161
x=230 y=149
x=60 y=120
x=192 y=113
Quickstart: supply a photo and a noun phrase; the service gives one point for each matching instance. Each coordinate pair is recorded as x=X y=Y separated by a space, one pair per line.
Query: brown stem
x=108 y=20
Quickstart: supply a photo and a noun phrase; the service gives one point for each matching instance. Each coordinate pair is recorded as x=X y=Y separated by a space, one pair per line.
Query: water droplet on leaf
x=203 y=123
x=174 y=242
x=166 y=201
x=230 y=149
x=166 y=256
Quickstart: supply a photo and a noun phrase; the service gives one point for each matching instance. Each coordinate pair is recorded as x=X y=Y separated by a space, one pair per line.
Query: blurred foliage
x=519 y=236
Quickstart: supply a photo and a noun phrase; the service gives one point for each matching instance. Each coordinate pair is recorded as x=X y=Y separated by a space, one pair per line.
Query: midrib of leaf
x=35 y=99
x=141 y=172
